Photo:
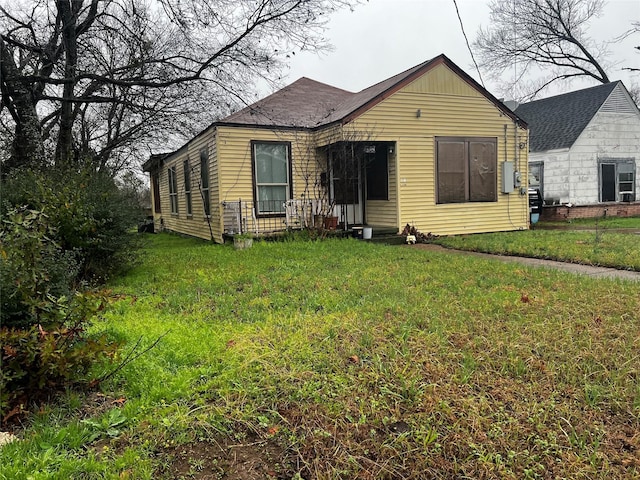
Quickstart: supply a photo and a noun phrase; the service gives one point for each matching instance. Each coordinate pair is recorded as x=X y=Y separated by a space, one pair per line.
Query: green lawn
x=606 y=223
x=345 y=359
x=604 y=248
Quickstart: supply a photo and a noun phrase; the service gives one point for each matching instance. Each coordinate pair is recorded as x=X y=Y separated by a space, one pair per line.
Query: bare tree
x=98 y=80
x=542 y=39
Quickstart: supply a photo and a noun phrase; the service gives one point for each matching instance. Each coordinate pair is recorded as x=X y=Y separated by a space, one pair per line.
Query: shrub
x=36 y=362
x=58 y=232
x=92 y=219
x=34 y=271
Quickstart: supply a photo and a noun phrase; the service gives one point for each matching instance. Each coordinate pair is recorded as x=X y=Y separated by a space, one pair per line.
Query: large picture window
x=466 y=169
x=204 y=181
x=272 y=176
x=617 y=179
x=173 y=189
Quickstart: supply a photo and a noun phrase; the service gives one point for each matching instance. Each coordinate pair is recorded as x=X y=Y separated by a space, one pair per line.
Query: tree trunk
x=28 y=147
x=64 y=149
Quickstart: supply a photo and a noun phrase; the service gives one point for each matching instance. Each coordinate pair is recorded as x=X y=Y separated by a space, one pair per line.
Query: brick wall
x=562 y=212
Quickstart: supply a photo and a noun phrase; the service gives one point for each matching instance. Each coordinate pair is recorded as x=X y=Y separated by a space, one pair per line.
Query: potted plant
x=330 y=222
x=242 y=241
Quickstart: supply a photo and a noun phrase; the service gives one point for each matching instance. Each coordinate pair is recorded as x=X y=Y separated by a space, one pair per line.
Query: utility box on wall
x=507 y=177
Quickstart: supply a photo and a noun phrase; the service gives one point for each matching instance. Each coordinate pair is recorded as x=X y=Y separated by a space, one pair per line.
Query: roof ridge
x=602 y=85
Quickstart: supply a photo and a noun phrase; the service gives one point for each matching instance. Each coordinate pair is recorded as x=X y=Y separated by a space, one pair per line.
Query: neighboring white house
x=584 y=146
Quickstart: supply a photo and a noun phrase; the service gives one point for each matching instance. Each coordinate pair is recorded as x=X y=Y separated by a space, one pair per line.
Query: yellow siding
x=445 y=115
x=196 y=224
x=236 y=179
x=442 y=80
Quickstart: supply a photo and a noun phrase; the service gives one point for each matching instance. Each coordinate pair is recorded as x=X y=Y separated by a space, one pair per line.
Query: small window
x=173 y=189
x=466 y=169
x=536 y=174
x=204 y=181
x=187 y=186
x=271 y=174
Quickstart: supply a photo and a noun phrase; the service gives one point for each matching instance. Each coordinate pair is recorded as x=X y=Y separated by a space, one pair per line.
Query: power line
x=467 y=40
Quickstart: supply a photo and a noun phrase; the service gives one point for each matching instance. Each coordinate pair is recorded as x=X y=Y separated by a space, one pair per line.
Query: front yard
x=345 y=359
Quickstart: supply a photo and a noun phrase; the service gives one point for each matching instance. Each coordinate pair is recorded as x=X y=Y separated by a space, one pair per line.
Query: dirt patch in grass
x=226 y=458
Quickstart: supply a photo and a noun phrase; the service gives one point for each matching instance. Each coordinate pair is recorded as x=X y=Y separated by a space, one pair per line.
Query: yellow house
x=429 y=147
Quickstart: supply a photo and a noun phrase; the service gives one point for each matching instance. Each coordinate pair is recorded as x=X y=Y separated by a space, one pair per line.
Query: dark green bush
x=34 y=271
x=60 y=231
x=93 y=219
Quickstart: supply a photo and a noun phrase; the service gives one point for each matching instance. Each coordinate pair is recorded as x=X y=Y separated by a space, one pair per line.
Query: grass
x=601 y=222
x=344 y=359
x=603 y=248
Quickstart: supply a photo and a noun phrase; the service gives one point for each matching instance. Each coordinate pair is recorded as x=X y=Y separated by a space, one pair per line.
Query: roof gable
x=557 y=122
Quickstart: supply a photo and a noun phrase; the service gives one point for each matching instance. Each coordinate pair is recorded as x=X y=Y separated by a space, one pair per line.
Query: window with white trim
x=271 y=176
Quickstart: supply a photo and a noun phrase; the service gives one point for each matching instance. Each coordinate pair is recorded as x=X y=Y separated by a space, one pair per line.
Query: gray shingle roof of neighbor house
x=310 y=104
x=557 y=122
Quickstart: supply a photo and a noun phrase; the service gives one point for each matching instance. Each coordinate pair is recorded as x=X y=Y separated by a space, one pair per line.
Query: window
x=536 y=175
x=377 y=169
x=155 y=181
x=271 y=175
x=187 y=186
x=173 y=189
x=617 y=179
x=466 y=169
x=204 y=181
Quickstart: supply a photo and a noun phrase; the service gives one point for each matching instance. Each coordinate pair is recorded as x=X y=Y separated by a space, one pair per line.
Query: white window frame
x=273 y=212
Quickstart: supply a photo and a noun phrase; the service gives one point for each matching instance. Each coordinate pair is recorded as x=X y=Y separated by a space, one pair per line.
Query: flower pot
x=330 y=223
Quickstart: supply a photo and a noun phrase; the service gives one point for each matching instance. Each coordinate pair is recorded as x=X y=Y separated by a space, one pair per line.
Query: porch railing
x=240 y=216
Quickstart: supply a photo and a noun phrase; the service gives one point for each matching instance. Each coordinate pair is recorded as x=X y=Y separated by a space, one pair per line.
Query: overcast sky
x=384 y=37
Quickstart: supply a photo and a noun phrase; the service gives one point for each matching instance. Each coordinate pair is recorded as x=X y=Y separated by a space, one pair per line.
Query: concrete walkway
x=596 y=272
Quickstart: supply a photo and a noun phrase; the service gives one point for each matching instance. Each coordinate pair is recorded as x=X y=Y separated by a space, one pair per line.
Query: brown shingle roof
x=302 y=104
